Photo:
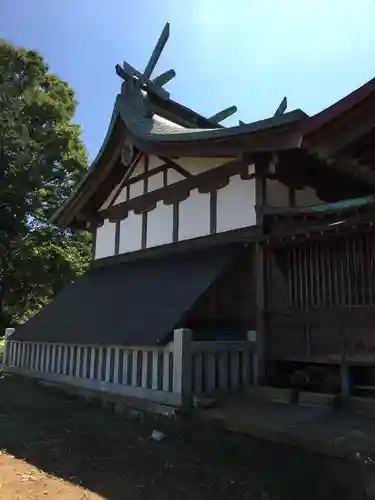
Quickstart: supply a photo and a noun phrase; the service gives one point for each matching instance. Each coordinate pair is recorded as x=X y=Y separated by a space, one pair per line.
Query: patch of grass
x=1 y=346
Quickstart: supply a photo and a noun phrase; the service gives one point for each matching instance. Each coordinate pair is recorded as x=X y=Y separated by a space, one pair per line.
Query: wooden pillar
x=262 y=165
x=344 y=365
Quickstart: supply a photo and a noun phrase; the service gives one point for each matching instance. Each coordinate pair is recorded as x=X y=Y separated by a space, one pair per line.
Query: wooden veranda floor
x=341 y=433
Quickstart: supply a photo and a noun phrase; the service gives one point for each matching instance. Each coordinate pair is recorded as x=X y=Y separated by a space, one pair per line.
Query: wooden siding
x=321 y=299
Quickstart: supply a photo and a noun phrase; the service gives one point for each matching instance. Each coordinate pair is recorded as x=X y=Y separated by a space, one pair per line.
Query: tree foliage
x=41 y=159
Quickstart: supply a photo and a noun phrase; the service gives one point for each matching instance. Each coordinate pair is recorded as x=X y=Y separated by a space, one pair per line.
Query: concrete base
x=120 y=404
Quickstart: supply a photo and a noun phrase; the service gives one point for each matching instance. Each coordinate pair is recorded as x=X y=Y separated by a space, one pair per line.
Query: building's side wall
x=221 y=209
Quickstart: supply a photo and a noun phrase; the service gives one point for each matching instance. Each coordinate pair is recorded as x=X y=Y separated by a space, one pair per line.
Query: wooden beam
x=236 y=237
x=126 y=177
x=338 y=135
x=93 y=242
x=176 y=166
x=117 y=238
x=176 y=192
x=324 y=225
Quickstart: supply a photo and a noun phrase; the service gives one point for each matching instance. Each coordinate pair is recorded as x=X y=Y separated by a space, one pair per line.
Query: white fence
x=168 y=374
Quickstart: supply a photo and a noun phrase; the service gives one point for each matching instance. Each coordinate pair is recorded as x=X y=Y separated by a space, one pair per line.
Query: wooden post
x=344 y=365
x=182 y=365
x=261 y=169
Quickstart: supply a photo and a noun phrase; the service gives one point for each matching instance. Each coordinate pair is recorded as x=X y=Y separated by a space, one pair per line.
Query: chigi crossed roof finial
x=155 y=86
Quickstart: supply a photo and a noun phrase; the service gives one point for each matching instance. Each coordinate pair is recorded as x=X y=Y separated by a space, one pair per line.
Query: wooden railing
x=221 y=366
x=168 y=374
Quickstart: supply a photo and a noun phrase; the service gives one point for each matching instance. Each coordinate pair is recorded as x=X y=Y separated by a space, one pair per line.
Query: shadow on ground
x=115 y=458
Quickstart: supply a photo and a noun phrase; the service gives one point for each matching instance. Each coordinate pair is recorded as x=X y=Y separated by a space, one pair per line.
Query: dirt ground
x=57 y=447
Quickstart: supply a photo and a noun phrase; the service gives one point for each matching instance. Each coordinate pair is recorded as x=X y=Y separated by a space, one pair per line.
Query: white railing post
x=8 y=333
x=182 y=365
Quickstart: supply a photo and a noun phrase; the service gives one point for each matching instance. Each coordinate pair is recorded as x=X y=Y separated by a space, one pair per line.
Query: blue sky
x=245 y=52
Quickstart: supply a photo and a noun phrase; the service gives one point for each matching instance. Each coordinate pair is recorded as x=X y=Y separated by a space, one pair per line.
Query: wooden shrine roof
x=145 y=119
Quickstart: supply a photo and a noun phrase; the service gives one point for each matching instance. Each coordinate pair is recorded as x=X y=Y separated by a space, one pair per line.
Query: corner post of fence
x=182 y=365
x=8 y=333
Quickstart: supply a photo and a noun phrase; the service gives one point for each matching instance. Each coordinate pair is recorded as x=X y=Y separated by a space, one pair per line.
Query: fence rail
x=168 y=374
x=221 y=366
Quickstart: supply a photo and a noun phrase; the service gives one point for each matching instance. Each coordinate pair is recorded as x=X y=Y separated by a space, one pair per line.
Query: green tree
x=41 y=159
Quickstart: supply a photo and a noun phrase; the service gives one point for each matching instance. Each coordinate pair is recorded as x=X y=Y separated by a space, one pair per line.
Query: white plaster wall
x=236 y=204
x=136 y=189
x=173 y=176
x=307 y=197
x=139 y=169
x=194 y=216
x=109 y=199
x=154 y=162
x=131 y=233
x=121 y=196
x=198 y=165
x=160 y=225
x=105 y=240
x=277 y=193
x=156 y=181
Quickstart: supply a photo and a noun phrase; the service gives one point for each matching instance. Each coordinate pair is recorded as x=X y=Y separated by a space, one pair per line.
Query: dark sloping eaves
x=340 y=107
x=155 y=136
x=137 y=303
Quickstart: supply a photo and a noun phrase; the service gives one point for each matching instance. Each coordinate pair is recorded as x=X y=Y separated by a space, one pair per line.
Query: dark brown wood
x=237 y=236
x=147 y=174
x=117 y=238
x=125 y=180
x=290 y=268
x=332 y=311
x=176 y=221
x=175 y=166
x=371 y=270
x=144 y=213
x=176 y=192
x=318 y=278
x=292 y=197
x=109 y=162
x=228 y=304
x=297 y=230
x=93 y=242
x=213 y=212
x=144 y=231
x=261 y=170
x=307 y=280
x=340 y=133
